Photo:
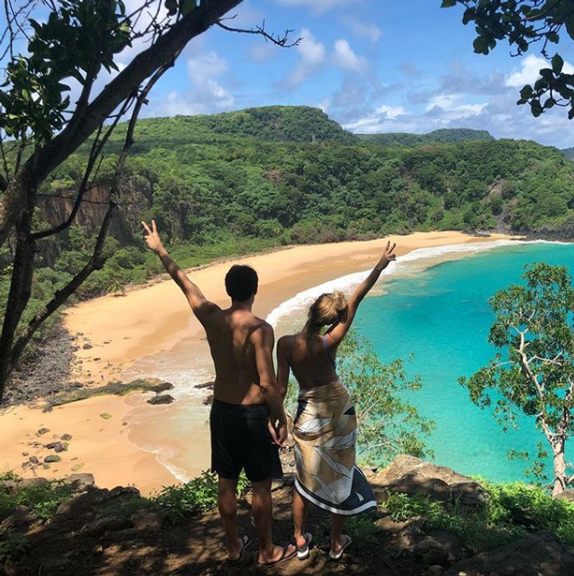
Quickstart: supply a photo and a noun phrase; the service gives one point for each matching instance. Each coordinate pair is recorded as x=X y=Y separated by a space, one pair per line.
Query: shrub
x=197 y=495
x=12 y=547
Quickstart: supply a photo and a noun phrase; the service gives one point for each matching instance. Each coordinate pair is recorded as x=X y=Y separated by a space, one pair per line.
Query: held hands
x=388 y=256
x=152 y=238
x=278 y=432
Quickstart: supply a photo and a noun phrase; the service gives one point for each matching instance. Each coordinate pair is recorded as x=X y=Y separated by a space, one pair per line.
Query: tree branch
x=45 y=159
x=282 y=41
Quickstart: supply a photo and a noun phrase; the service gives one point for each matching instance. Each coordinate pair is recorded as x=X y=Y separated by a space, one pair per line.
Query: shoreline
x=152 y=325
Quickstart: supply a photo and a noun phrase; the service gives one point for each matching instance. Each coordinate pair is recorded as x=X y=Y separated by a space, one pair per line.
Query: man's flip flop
x=244 y=544
x=304 y=551
x=284 y=558
x=337 y=556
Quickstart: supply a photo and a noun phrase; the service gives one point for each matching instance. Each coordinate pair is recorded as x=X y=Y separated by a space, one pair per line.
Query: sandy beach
x=152 y=322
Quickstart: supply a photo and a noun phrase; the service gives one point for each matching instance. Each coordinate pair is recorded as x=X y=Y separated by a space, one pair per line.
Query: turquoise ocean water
x=442 y=316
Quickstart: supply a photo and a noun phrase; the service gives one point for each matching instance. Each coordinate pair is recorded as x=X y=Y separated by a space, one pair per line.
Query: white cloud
x=530 y=71
x=324 y=105
x=312 y=56
x=312 y=52
x=203 y=71
x=369 y=31
x=451 y=107
x=317 y=6
x=390 y=112
x=346 y=58
x=261 y=51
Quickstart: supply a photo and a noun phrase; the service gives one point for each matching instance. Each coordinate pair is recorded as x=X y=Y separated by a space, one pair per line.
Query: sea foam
x=349 y=282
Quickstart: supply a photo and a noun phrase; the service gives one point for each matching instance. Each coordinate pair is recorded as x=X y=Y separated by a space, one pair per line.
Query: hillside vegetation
x=442 y=136
x=245 y=181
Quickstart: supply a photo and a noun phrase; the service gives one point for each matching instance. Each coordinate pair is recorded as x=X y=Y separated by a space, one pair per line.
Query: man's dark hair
x=241 y=282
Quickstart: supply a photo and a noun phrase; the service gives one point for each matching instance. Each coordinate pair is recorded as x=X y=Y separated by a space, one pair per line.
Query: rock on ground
x=539 y=554
x=410 y=475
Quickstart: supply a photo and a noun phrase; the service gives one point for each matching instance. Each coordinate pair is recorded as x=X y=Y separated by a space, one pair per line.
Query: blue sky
x=372 y=65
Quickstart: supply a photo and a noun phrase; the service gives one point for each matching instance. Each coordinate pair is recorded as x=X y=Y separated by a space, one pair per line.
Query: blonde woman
x=325 y=423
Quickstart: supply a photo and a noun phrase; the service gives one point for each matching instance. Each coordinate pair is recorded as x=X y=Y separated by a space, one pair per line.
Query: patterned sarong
x=325 y=432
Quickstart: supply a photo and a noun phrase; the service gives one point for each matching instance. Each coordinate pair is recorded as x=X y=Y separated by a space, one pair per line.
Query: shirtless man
x=247 y=420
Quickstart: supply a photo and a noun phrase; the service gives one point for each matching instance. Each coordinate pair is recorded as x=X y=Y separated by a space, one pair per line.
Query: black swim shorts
x=240 y=439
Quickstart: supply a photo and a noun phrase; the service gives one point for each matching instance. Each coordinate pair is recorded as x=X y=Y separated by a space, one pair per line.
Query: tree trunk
x=559 y=467
x=20 y=291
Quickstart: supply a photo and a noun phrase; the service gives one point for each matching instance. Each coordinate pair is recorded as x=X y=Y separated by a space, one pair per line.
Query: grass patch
x=43 y=499
x=511 y=510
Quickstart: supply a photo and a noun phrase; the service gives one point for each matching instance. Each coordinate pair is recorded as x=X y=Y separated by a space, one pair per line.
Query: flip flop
x=304 y=551
x=244 y=544
x=283 y=558
x=337 y=556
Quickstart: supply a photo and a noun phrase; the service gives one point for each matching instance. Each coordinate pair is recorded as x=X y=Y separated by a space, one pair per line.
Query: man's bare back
x=230 y=334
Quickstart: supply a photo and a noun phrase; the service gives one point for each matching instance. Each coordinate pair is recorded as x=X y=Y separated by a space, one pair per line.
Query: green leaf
x=171 y=6
x=557 y=64
x=448 y=3
x=526 y=92
x=480 y=45
x=187 y=6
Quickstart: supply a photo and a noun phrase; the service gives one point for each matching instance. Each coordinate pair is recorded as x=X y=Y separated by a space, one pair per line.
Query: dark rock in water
x=208 y=385
x=19 y=520
x=42 y=431
x=161 y=399
x=87 y=346
x=534 y=555
x=208 y=400
x=51 y=459
x=103 y=525
x=152 y=384
x=410 y=475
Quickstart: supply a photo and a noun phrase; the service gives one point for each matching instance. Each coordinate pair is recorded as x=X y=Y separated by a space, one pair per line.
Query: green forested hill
x=267 y=124
x=442 y=136
x=242 y=181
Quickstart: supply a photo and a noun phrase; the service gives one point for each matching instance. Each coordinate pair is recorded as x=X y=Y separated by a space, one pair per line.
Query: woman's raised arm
x=336 y=335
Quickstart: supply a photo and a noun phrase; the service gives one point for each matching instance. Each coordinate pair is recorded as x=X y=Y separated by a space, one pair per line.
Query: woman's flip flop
x=337 y=556
x=304 y=551
x=284 y=557
x=244 y=544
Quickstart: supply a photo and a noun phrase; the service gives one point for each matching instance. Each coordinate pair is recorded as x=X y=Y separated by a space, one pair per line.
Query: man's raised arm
x=200 y=305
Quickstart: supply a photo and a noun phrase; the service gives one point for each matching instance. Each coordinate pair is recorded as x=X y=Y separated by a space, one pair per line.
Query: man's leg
x=262 y=509
x=299 y=512
x=227 y=503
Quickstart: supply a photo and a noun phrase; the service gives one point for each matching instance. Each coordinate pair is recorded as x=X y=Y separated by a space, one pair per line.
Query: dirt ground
x=195 y=547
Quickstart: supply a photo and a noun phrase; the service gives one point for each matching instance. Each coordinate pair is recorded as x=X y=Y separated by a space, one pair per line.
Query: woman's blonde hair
x=327 y=309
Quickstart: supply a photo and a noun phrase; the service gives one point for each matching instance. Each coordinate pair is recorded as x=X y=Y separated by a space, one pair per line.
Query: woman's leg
x=299 y=513
x=337 y=523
